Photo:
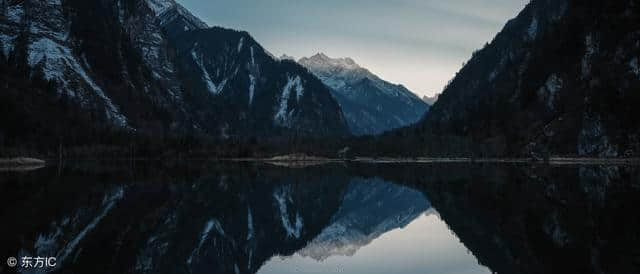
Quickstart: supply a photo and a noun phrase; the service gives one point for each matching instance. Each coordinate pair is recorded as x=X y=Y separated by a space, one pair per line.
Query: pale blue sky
x=418 y=43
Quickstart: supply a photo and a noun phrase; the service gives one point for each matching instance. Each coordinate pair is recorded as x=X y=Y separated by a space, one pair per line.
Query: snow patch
x=591 y=48
x=120 y=12
x=204 y=235
x=282 y=196
x=7 y=44
x=110 y=201
x=250 y=231
x=240 y=44
x=252 y=87
x=635 y=66
x=283 y=115
x=532 y=31
x=55 y=59
x=593 y=140
x=211 y=86
x=15 y=13
x=550 y=88
x=253 y=59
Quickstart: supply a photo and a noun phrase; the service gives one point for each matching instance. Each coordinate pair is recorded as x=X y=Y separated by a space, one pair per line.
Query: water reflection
x=250 y=218
x=425 y=245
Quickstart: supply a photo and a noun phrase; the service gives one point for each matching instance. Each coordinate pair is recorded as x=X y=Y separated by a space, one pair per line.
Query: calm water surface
x=207 y=217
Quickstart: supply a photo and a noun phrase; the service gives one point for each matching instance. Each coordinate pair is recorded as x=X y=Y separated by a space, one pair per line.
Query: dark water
x=207 y=217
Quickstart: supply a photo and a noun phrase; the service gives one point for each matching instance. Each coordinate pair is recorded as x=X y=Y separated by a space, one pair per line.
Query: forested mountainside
x=560 y=79
x=147 y=67
x=371 y=105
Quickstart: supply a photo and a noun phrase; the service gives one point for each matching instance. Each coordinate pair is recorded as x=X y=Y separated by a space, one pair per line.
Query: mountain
x=370 y=104
x=430 y=100
x=561 y=78
x=152 y=68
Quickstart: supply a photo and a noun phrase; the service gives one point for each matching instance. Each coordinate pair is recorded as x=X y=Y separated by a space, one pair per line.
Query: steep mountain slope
x=265 y=94
x=146 y=66
x=370 y=104
x=560 y=78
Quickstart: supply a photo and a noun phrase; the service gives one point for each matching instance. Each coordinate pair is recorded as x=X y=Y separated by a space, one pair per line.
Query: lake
x=222 y=217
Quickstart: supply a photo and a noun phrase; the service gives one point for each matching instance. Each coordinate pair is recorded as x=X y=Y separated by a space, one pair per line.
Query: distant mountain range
x=370 y=104
x=430 y=100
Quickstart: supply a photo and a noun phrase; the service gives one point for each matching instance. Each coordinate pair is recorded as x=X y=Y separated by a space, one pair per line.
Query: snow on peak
x=287 y=57
x=169 y=10
x=160 y=6
x=322 y=61
x=340 y=73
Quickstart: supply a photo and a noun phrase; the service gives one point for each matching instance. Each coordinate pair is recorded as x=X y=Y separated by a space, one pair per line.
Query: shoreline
x=435 y=160
x=21 y=164
x=21 y=161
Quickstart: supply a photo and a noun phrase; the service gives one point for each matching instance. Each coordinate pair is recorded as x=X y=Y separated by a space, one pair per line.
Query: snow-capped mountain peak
x=372 y=105
x=160 y=6
x=322 y=61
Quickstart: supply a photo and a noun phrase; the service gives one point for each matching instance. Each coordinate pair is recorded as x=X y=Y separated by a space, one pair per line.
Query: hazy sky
x=418 y=43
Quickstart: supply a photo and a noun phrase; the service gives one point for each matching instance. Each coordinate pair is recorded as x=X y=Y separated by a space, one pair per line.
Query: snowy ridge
x=370 y=105
x=56 y=59
x=50 y=51
x=340 y=72
x=168 y=12
x=160 y=6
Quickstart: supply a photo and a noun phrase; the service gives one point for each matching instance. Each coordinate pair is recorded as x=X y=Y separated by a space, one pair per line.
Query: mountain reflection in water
x=252 y=218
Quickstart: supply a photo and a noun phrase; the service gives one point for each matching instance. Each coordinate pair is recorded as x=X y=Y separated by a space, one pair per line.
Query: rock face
x=150 y=66
x=370 y=104
x=562 y=78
